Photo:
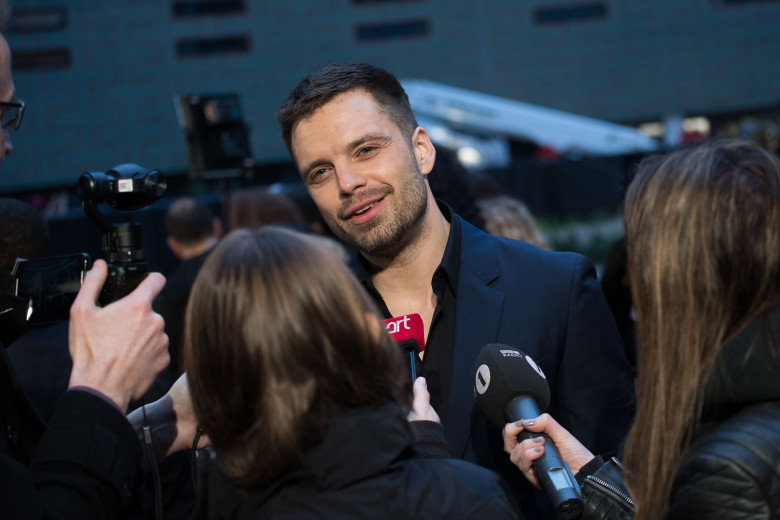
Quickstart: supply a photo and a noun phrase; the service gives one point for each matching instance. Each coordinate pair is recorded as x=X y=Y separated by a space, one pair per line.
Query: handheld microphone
x=409 y=333
x=509 y=387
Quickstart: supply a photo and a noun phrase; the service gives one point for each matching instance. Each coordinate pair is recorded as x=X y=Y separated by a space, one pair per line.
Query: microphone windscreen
x=502 y=373
x=407 y=327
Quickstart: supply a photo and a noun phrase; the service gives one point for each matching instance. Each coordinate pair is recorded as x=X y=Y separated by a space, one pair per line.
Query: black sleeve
x=84 y=467
x=429 y=440
x=604 y=493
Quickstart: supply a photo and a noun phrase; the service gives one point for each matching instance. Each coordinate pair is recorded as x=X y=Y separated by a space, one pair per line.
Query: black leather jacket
x=733 y=469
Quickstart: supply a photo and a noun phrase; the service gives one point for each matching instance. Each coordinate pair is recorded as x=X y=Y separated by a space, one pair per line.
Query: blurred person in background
x=450 y=181
x=258 y=206
x=508 y=217
x=25 y=233
x=252 y=208
x=39 y=355
x=193 y=231
x=617 y=290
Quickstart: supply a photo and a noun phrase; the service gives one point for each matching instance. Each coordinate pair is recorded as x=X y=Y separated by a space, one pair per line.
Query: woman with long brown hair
x=703 y=229
x=302 y=394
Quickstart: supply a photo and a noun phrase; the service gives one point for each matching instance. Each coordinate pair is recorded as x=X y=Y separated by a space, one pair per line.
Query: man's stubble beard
x=388 y=235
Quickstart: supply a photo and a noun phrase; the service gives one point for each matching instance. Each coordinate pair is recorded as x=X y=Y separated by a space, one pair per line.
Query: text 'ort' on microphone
x=409 y=333
x=509 y=386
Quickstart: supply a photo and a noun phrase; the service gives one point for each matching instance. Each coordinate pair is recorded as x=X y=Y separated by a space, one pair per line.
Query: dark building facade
x=100 y=78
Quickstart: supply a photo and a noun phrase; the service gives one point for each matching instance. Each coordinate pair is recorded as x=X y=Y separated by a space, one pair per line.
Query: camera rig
x=126 y=187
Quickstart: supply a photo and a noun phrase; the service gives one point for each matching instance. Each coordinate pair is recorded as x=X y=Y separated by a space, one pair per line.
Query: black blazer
x=549 y=305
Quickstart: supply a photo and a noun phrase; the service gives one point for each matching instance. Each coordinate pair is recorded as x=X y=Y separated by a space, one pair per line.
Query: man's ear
x=424 y=151
x=174 y=246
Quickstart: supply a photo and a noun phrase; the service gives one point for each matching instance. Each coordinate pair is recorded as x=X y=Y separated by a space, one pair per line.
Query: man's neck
x=404 y=281
x=197 y=249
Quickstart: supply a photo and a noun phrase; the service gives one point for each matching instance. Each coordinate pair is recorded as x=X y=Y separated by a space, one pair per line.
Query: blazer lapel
x=477 y=321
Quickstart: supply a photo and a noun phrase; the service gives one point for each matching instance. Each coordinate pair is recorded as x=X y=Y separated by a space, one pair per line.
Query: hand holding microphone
x=421 y=405
x=510 y=387
x=523 y=453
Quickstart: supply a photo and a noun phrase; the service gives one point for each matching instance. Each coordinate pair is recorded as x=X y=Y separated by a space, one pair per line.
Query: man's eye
x=366 y=150
x=317 y=175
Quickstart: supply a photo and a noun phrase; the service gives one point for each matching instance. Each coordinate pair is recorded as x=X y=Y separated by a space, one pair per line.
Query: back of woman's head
x=703 y=223
x=703 y=229
x=279 y=337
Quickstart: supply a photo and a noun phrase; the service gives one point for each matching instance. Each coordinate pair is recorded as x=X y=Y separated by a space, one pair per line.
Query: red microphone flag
x=407 y=327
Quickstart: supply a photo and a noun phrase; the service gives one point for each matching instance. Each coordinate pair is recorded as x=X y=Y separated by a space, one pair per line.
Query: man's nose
x=349 y=178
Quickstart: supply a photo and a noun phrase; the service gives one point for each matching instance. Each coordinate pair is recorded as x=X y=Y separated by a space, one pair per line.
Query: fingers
x=204 y=441
x=150 y=287
x=95 y=278
x=421 y=404
x=422 y=399
x=538 y=424
x=509 y=434
x=512 y=430
x=91 y=286
x=526 y=452
x=120 y=348
x=524 y=455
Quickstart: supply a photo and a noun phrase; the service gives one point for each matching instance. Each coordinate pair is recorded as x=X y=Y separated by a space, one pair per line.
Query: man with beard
x=351 y=132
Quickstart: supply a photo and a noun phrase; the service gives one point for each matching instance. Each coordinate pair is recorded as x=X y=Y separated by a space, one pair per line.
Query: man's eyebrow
x=360 y=141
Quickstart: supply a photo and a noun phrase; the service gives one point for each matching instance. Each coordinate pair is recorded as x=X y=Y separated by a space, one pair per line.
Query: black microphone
x=509 y=387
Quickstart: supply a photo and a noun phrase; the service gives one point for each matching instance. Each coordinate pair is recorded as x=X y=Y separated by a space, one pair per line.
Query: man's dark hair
x=24 y=232
x=320 y=87
x=188 y=221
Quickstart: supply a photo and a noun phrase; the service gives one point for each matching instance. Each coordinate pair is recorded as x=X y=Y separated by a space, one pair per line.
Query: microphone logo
x=535 y=366
x=396 y=325
x=482 y=379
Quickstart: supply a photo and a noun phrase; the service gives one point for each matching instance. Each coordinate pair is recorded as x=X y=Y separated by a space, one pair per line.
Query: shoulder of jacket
x=733 y=467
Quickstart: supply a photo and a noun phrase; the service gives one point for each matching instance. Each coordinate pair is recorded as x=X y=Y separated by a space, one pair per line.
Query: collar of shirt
x=447 y=271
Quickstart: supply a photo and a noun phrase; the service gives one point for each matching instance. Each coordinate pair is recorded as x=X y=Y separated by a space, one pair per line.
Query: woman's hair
x=506 y=216
x=703 y=230
x=279 y=337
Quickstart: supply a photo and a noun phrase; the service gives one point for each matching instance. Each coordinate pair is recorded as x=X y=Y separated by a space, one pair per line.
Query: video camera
x=42 y=290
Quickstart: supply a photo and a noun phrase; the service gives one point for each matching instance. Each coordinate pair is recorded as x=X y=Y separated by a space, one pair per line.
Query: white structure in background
x=479 y=126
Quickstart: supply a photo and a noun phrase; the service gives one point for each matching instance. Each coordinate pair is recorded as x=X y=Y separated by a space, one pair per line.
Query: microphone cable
x=151 y=459
x=194 y=459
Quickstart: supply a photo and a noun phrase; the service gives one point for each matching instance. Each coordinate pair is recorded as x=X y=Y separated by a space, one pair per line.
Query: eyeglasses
x=11 y=114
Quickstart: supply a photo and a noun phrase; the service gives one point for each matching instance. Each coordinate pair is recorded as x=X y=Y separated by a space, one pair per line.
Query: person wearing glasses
x=86 y=462
x=11 y=109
